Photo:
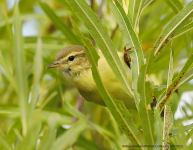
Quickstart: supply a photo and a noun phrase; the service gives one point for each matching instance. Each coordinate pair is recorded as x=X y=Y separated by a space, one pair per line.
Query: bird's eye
x=71 y=58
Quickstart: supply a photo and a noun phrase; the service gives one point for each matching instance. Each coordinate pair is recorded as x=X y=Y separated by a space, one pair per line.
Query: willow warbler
x=73 y=63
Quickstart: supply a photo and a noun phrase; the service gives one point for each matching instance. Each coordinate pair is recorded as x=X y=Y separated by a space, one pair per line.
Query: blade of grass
x=9 y=73
x=50 y=133
x=11 y=137
x=30 y=139
x=84 y=143
x=175 y=5
x=5 y=143
x=70 y=136
x=59 y=24
x=117 y=108
x=100 y=35
x=168 y=32
x=109 y=136
x=21 y=76
x=37 y=72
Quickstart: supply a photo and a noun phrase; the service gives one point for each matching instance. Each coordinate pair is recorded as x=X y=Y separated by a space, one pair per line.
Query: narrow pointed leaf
x=169 y=30
x=69 y=137
x=33 y=131
x=10 y=76
x=146 y=97
x=130 y=37
x=158 y=129
x=4 y=143
x=59 y=24
x=175 y=83
x=187 y=77
x=100 y=35
x=117 y=108
x=185 y=128
x=49 y=135
x=146 y=3
x=137 y=13
x=36 y=73
x=131 y=10
x=21 y=76
x=183 y=30
x=175 y=5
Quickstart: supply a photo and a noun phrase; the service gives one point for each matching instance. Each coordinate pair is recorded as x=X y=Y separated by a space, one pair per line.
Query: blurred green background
x=46 y=107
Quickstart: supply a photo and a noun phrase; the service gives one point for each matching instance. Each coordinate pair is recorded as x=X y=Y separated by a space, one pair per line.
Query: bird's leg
x=126 y=58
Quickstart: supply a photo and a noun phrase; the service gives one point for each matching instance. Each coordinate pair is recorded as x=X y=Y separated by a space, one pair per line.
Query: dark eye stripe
x=71 y=58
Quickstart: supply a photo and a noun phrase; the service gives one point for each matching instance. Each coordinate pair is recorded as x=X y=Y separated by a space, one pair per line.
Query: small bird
x=73 y=63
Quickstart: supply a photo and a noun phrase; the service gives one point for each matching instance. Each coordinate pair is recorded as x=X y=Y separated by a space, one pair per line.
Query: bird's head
x=71 y=60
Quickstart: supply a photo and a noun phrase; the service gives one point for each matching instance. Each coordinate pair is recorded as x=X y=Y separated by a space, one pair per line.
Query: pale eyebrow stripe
x=73 y=54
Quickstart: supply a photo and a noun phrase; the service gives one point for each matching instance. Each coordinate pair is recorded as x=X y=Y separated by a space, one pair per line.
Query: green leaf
x=168 y=122
x=147 y=2
x=175 y=5
x=175 y=83
x=30 y=139
x=131 y=10
x=158 y=129
x=4 y=143
x=135 y=74
x=129 y=37
x=138 y=10
x=37 y=71
x=150 y=60
x=128 y=33
x=185 y=128
x=21 y=76
x=146 y=97
x=100 y=35
x=117 y=108
x=49 y=134
x=187 y=77
x=171 y=68
x=70 y=136
x=183 y=30
x=59 y=24
x=169 y=30
x=86 y=144
x=9 y=73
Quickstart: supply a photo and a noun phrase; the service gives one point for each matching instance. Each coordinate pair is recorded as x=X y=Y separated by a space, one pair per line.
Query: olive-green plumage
x=75 y=66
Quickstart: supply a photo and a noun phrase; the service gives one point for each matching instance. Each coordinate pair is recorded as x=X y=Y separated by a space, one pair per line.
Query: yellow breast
x=87 y=87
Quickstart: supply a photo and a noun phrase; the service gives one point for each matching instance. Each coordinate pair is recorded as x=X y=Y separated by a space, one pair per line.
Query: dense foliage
x=39 y=109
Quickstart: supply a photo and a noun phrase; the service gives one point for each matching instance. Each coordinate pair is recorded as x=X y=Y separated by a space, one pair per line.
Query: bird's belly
x=89 y=91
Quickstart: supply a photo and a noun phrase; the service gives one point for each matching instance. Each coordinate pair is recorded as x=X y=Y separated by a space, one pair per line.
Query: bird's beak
x=53 y=66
